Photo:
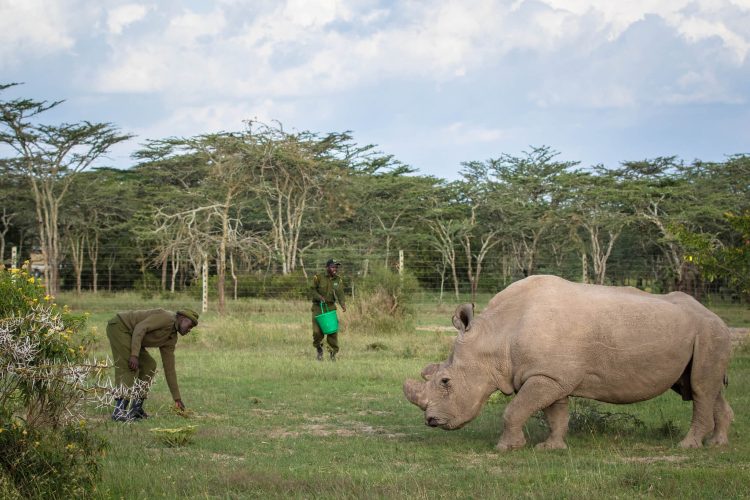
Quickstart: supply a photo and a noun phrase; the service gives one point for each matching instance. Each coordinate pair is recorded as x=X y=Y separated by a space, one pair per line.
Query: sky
x=433 y=83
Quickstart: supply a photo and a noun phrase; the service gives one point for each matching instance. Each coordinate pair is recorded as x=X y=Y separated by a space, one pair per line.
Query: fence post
x=205 y=283
x=401 y=263
x=14 y=257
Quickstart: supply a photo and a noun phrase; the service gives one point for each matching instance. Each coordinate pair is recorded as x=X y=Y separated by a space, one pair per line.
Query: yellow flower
x=31 y=280
x=48 y=297
x=15 y=270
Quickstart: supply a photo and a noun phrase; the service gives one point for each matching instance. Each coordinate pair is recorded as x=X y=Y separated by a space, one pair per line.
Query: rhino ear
x=429 y=370
x=462 y=318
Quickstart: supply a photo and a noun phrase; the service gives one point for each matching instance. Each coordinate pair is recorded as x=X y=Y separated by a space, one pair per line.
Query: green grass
x=272 y=422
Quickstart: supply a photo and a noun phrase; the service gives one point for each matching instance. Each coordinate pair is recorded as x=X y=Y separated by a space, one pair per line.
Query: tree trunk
x=234 y=276
x=175 y=269
x=93 y=251
x=76 y=255
x=164 y=262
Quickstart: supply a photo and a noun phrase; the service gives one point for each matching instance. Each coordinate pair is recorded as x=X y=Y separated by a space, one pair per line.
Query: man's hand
x=133 y=363
x=179 y=404
x=343 y=307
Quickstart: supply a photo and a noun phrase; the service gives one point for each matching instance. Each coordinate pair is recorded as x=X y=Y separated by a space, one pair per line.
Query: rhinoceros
x=545 y=339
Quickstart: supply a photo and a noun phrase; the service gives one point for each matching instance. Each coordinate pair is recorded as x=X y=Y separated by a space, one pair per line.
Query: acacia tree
x=600 y=207
x=50 y=156
x=443 y=239
x=211 y=223
x=289 y=176
x=666 y=203
x=526 y=194
x=479 y=234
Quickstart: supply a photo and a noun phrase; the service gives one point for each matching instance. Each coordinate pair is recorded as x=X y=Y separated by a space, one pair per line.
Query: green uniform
x=131 y=332
x=328 y=289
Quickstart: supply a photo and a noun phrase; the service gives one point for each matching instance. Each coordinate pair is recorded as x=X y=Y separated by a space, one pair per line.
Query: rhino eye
x=445 y=381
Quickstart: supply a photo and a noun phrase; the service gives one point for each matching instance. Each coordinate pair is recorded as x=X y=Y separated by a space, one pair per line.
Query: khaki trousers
x=119 y=340
x=332 y=339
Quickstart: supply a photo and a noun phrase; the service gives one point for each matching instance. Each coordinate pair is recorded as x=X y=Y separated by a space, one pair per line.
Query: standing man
x=329 y=289
x=129 y=334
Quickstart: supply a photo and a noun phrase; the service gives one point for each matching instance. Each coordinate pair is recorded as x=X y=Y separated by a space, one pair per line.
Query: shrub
x=589 y=417
x=45 y=447
x=382 y=302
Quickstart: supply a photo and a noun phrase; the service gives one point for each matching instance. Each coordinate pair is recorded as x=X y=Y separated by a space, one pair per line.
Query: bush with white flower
x=46 y=377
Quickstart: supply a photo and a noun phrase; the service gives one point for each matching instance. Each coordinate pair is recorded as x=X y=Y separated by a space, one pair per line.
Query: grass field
x=272 y=422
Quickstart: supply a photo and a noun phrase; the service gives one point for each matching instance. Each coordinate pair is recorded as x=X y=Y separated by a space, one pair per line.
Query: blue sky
x=434 y=83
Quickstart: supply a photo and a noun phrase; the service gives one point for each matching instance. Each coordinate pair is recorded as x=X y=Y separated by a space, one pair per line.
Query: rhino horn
x=414 y=392
x=429 y=370
x=462 y=318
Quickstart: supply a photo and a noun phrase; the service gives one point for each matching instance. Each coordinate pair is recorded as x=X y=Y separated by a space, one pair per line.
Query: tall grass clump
x=46 y=448
x=383 y=302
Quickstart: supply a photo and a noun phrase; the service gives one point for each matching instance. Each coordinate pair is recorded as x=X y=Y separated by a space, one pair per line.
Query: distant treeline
x=264 y=207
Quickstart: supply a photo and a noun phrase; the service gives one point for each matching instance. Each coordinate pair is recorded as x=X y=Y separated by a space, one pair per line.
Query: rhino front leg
x=557 y=416
x=536 y=393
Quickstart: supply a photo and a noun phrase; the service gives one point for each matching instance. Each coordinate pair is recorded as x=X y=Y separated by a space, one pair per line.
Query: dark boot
x=136 y=411
x=333 y=356
x=320 y=354
x=121 y=414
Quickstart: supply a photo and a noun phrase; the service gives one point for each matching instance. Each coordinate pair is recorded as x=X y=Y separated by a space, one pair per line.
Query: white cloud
x=466 y=133
x=697 y=29
x=32 y=28
x=189 y=26
x=124 y=15
x=274 y=53
x=696 y=20
x=309 y=13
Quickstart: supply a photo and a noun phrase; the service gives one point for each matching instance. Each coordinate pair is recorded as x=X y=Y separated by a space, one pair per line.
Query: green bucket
x=327 y=320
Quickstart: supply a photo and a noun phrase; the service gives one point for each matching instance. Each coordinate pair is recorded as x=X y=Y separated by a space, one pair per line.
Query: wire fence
x=431 y=279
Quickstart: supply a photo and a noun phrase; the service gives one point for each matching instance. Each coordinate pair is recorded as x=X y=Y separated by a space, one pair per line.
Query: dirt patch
x=259 y=412
x=221 y=457
x=473 y=459
x=378 y=413
x=674 y=459
x=436 y=328
x=345 y=429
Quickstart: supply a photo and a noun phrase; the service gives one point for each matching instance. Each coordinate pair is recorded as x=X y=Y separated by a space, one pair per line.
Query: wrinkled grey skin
x=545 y=339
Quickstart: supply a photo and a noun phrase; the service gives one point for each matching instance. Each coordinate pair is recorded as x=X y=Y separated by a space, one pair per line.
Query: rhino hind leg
x=711 y=412
x=723 y=416
x=557 y=416
x=537 y=393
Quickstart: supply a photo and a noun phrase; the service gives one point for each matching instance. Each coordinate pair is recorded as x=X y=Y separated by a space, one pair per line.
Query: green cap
x=190 y=314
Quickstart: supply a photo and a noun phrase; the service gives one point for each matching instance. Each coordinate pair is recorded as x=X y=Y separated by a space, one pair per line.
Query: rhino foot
x=717 y=441
x=502 y=446
x=690 y=442
x=551 y=445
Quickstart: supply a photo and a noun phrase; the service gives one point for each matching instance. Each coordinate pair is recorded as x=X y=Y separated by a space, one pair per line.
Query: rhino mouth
x=442 y=423
x=434 y=422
